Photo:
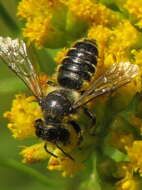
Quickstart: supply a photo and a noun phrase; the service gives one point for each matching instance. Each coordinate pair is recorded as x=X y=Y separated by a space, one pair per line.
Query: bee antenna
x=65 y=153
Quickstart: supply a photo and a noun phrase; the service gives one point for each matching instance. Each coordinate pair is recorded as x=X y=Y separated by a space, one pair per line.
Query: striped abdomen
x=78 y=65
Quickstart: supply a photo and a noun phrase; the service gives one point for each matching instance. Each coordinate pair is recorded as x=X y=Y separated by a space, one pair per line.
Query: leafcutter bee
x=78 y=67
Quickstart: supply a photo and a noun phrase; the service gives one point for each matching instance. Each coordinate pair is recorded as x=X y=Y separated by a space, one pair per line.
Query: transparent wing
x=116 y=76
x=14 y=54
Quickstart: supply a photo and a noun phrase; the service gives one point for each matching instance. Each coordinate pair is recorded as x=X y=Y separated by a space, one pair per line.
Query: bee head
x=52 y=133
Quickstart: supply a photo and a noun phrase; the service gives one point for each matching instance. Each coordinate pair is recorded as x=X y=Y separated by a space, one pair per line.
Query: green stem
x=27 y=170
x=8 y=20
x=74 y=183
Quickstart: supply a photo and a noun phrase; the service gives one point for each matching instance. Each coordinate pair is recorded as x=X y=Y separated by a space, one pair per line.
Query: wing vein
x=115 y=77
x=14 y=54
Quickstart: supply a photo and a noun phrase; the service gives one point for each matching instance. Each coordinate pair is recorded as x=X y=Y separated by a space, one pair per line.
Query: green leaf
x=27 y=170
x=8 y=20
x=12 y=84
x=93 y=181
x=115 y=154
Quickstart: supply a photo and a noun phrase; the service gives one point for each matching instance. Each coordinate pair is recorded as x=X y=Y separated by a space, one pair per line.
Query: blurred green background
x=13 y=174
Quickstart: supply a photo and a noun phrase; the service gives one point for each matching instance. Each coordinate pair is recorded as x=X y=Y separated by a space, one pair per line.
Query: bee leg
x=45 y=147
x=77 y=129
x=90 y=115
x=65 y=153
x=51 y=83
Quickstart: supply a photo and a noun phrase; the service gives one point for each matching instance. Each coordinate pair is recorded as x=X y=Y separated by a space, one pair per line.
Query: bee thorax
x=55 y=106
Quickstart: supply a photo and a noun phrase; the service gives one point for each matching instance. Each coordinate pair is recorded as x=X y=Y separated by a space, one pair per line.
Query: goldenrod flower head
x=22 y=116
x=37 y=30
x=66 y=165
x=128 y=181
x=108 y=40
x=49 y=22
x=39 y=16
x=30 y=8
x=134 y=154
x=135 y=8
x=34 y=153
x=102 y=35
x=95 y=32
x=138 y=58
x=121 y=36
x=92 y=12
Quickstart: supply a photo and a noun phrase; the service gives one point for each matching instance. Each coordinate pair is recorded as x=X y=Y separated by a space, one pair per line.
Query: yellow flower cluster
x=134 y=154
x=114 y=43
x=45 y=23
x=40 y=27
x=128 y=183
x=39 y=16
x=92 y=12
x=66 y=165
x=135 y=9
x=34 y=153
x=128 y=169
x=24 y=111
